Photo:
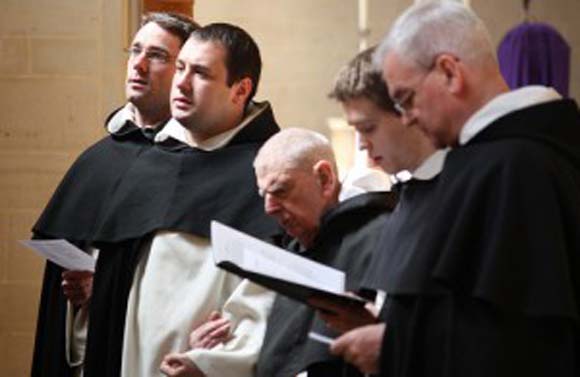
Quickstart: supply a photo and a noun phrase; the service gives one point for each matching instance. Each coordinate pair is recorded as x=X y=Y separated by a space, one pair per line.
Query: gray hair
x=428 y=29
x=294 y=148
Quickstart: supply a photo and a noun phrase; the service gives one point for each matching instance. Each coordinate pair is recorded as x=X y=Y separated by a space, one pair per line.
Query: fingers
x=179 y=365
x=361 y=347
x=77 y=286
x=371 y=308
x=219 y=335
x=215 y=315
x=346 y=318
x=338 y=346
x=171 y=365
x=211 y=333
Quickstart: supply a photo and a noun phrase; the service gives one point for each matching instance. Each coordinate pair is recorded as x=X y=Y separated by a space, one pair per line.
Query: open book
x=277 y=269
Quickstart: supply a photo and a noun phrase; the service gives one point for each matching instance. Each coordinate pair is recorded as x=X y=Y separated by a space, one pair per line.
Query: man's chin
x=136 y=97
x=180 y=116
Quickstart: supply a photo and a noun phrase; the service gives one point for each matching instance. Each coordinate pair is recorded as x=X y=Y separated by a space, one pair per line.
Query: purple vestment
x=535 y=53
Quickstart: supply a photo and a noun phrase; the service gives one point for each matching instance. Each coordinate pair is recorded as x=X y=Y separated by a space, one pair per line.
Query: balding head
x=296 y=175
x=295 y=148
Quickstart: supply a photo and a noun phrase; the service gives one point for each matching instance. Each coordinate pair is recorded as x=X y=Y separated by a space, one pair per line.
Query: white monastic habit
x=175 y=288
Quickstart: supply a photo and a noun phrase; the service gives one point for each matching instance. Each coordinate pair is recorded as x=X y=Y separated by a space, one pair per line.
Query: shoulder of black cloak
x=79 y=200
x=183 y=189
x=399 y=249
x=506 y=225
x=364 y=205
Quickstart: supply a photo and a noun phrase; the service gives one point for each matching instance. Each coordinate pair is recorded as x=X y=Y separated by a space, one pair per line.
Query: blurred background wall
x=62 y=70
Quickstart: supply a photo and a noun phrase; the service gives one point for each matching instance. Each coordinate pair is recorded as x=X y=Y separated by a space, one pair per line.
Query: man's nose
x=140 y=62
x=183 y=82
x=363 y=144
x=271 y=204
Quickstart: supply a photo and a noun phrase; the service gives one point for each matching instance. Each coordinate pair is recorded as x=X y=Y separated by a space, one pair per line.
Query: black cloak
x=74 y=213
x=492 y=286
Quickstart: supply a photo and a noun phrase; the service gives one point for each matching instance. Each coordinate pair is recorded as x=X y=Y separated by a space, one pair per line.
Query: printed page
x=63 y=253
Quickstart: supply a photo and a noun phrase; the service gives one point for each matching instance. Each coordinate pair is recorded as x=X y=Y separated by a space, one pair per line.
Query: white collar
x=362 y=179
x=124 y=115
x=175 y=130
x=118 y=120
x=504 y=104
x=429 y=168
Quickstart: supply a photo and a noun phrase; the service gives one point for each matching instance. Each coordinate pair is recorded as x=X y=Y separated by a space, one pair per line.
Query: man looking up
x=494 y=287
x=155 y=271
x=74 y=211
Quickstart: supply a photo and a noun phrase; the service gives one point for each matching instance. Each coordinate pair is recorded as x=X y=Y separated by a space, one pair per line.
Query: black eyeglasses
x=405 y=104
x=152 y=55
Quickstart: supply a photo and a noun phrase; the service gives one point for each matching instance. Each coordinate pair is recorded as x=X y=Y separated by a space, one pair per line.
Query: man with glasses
x=156 y=277
x=76 y=207
x=493 y=286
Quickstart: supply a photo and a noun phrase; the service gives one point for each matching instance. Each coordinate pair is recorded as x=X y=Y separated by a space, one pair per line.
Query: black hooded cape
x=346 y=241
x=177 y=188
x=491 y=288
x=74 y=213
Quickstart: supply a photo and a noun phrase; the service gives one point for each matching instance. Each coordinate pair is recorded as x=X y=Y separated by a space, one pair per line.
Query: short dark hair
x=361 y=79
x=177 y=24
x=242 y=53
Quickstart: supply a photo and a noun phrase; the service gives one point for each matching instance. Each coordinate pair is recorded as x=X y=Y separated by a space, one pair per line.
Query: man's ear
x=452 y=69
x=242 y=90
x=326 y=176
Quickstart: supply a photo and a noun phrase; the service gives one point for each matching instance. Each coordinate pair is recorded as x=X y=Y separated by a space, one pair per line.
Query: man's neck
x=150 y=119
x=199 y=137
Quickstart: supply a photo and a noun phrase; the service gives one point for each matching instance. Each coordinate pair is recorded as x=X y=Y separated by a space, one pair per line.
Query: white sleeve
x=76 y=335
x=247 y=308
x=76 y=328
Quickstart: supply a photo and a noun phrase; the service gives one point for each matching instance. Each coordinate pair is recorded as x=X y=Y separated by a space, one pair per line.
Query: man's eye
x=368 y=129
x=157 y=56
x=133 y=51
x=278 y=193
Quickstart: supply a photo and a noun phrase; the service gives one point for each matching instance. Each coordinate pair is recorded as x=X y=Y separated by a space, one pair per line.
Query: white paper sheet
x=62 y=253
x=258 y=256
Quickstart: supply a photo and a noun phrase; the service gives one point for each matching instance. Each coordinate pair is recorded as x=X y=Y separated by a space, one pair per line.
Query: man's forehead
x=151 y=31
x=359 y=110
x=399 y=73
x=204 y=52
x=273 y=175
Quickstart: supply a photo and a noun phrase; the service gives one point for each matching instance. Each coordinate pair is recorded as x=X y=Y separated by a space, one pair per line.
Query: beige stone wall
x=305 y=42
x=61 y=69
